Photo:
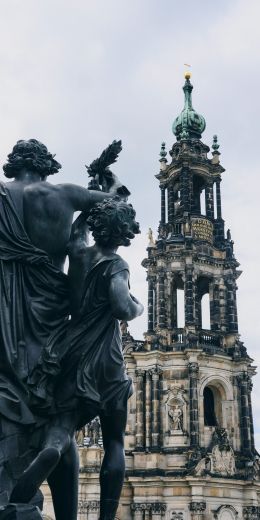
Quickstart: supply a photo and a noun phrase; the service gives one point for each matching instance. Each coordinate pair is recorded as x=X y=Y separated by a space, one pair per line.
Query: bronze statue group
x=61 y=361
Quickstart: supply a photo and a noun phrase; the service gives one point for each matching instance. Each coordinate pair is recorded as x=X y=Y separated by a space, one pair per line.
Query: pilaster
x=193 y=395
x=155 y=373
x=243 y=381
x=139 y=409
x=161 y=301
x=148 y=409
x=209 y=199
x=197 y=510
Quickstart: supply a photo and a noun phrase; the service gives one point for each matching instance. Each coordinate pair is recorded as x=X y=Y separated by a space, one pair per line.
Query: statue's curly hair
x=34 y=156
x=113 y=223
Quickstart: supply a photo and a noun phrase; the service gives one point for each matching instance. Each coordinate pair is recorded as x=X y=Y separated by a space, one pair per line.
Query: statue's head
x=32 y=156
x=113 y=223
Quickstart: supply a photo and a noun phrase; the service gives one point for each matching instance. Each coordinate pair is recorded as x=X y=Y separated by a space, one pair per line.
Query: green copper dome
x=189 y=124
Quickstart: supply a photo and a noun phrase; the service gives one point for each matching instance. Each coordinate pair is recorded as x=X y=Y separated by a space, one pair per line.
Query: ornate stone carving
x=92 y=505
x=222 y=456
x=220 y=459
x=176 y=405
x=176 y=416
x=155 y=372
x=197 y=507
x=90 y=435
x=154 y=507
x=193 y=368
x=223 y=462
x=139 y=372
x=138 y=507
x=158 y=508
x=80 y=435
x=251 y=513
x=176 y=515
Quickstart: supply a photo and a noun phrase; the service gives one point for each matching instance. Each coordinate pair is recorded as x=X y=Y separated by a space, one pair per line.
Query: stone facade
x=190 y=439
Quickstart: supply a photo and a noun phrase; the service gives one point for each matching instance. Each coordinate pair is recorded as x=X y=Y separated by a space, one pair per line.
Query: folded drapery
x=33 y=304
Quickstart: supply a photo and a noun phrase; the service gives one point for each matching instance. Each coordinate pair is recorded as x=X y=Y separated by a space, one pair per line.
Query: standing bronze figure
x=37 y=299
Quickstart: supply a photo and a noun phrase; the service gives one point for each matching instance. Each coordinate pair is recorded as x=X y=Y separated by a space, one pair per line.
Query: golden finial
x=187 y=74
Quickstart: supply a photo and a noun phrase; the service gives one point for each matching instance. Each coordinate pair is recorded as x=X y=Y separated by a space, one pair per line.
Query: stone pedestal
x=20 y=512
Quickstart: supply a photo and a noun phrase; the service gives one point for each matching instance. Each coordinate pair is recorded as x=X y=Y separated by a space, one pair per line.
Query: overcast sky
x=78 y=74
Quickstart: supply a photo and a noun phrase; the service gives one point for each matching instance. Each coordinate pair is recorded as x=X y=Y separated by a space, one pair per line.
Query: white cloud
x=78 y=74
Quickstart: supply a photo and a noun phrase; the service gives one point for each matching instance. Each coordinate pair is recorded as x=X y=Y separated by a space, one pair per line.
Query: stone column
x=243 y=381
x=93 y=510
x=197 y=304
x=147 y=512
x=214 y=307
x=222 y=305
x=170 y=204
x=161 y=301
x=83 y=509
x=139 y=409
x=231 y=305
x=168 y=300
x=218 y=199
x=209 y=197
x=150 y=305
x=155 y=305
x=155 y=407
x=158 y=510
x=185 y=189
x=138 y=511
x=189 y=296
x=250 y=387
x=194 y=412
x=163 y=214
x=148 y=410
x=197 y=510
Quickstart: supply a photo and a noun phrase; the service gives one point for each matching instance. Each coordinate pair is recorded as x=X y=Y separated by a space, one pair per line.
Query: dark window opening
x=210 y=418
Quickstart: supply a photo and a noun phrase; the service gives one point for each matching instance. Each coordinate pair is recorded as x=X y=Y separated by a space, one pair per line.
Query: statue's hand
x=111 y=184
x=94 y=184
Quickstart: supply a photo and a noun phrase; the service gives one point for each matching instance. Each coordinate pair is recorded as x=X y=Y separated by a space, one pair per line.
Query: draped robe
x=82 y=368
x=33 y=304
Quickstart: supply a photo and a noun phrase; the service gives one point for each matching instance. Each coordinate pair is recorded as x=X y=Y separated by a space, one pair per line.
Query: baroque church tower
x=190 y=440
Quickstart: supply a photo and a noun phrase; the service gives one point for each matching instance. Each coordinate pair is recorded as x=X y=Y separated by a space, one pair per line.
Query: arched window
x=180 y=308
x=205 y=312
x=177 y=303
x=202 y=203
x=210 y=418
x=198 y=202
x=202 y=303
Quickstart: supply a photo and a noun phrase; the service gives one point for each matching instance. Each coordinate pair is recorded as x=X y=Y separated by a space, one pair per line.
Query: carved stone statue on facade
x=151 y=242
x=80 y=436
x=42 y=351
x=176 y=405
x=175 y=414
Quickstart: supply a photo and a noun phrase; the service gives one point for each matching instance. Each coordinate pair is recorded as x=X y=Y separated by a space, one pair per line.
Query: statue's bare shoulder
x=66 y=196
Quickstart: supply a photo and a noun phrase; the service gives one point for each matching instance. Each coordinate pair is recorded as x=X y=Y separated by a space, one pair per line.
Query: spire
x=189 y=124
